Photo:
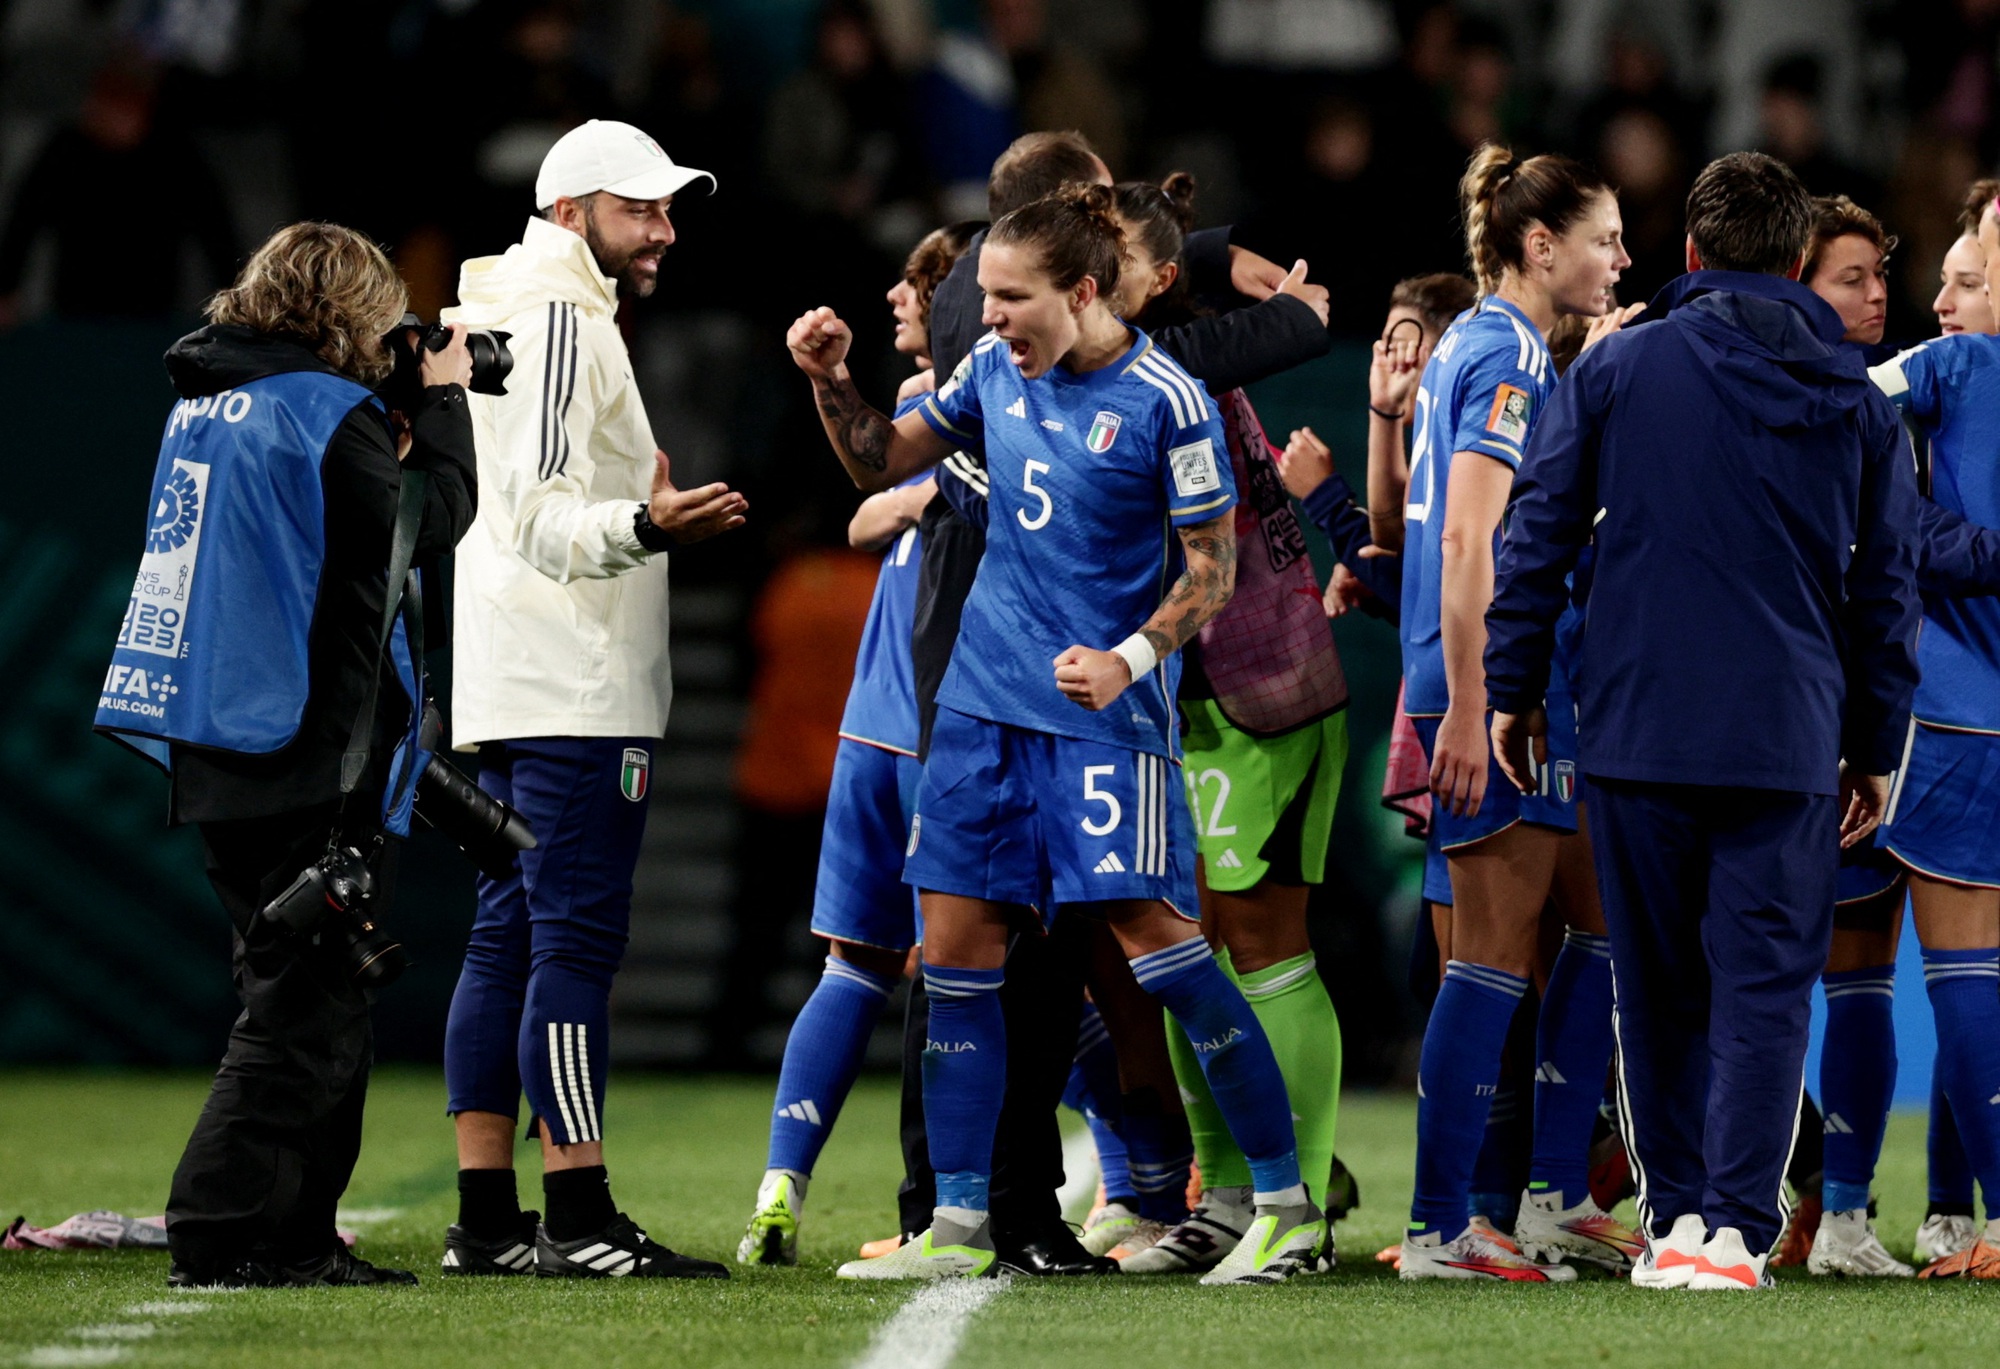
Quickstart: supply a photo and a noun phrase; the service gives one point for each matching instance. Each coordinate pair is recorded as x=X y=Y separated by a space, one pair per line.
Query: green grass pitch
x=686 y=1155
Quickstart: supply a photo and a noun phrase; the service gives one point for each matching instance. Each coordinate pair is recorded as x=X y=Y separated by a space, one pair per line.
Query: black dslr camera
x=491 y=360
x=485 y=829
x=337 y=890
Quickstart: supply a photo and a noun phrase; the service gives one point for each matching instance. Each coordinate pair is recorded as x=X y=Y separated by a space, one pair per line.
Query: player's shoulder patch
x=1508 y=418
x=963 y=371
x=1195 y=468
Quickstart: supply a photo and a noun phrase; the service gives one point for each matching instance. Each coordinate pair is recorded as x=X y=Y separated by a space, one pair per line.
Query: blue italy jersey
x=1481 y=391
x=882 y=702
x=1088 y=476
x=1951 y=387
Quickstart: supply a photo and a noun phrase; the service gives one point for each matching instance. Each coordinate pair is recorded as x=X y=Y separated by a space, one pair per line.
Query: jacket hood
x=1777 y=342
x=223 y=356
x=548 y=263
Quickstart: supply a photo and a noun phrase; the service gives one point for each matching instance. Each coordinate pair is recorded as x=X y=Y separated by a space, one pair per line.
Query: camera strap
x=402 y=550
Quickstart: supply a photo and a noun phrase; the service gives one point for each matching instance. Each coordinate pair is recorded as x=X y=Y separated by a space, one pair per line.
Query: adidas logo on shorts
x=1229 y=860
x=1111 y=865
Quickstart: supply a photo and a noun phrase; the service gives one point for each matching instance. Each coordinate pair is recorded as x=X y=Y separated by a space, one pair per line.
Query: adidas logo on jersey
x=1111 y=865
x=1229 y=860
x=803 y=1111
x=1019 y=408
x=1547 y=1073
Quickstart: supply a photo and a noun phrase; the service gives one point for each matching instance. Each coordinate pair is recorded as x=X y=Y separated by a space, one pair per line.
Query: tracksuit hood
x=548 y=263
x=1778 y=344
x=225 y=355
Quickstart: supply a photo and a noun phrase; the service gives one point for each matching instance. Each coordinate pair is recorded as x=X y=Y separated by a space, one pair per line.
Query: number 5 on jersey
x=1040 y=521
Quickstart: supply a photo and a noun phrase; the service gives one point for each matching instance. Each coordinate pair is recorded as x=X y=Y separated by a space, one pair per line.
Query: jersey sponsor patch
x=958 y=376
x=1103 y=431
x=1194 y=468
x=1509 y=417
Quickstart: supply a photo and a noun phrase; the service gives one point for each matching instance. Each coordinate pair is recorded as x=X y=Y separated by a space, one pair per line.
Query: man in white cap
x=561 y=682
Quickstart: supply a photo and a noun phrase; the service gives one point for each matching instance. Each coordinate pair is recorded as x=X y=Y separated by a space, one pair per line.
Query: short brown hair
x=1440 y=297
x=1039 y=164
x=931 y=260
x=1749 y=212
x=1979 y=197
x=1836 y=216
x=325 y=286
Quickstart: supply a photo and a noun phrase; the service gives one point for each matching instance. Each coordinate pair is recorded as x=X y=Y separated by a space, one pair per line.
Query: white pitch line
x=53 y=1355
x=165 y=1309
x=926 y=1330
x=117 y=1330
x=366 y=1216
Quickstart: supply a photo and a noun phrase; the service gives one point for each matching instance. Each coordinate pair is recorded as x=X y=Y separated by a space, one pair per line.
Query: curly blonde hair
x=323 y=285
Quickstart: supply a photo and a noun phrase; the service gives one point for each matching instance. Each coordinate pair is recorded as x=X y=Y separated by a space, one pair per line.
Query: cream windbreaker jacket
x=560 y=615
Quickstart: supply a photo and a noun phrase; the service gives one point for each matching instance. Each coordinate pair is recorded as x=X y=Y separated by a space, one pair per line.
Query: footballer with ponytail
x=1545 y=242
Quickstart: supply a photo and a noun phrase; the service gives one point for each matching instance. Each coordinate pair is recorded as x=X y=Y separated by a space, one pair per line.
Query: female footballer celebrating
x=1050 y=779
x=1544 y=237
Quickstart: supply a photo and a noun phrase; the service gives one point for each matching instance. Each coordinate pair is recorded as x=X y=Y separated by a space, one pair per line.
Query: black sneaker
x=1343 y=1192
x=619 y=1251
x=341 y=1268
x=510 y=1254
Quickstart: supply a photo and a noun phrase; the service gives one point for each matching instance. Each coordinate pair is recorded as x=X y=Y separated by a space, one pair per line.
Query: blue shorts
x=1553 y=805
x=1867 y=872
x=1017 y=816
x=1944 y=818
x=860 y=895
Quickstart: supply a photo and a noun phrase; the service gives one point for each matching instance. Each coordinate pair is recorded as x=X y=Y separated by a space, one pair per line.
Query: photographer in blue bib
x=271 y=662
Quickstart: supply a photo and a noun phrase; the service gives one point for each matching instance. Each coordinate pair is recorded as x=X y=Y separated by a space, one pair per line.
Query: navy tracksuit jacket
x=1751 y=622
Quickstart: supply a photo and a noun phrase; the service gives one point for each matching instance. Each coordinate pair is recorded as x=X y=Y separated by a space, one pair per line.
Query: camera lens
x=491 y=360
x=374 y=958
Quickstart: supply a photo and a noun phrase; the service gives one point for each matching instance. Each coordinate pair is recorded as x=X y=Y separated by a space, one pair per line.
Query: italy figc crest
x=632 y=779
x=1565 y=781
x=1103 y=431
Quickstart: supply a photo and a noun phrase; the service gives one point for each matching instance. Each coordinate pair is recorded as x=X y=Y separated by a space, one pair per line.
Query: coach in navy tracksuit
x=1747 y=667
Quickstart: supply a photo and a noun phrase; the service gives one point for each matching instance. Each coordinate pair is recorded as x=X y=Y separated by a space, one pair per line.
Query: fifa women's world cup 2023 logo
x=156 y=614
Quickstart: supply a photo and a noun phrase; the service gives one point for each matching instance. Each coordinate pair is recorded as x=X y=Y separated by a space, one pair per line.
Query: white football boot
x=1847 y=1245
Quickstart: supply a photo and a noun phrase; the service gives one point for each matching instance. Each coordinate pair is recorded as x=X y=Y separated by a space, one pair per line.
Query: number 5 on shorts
x=1092 y=794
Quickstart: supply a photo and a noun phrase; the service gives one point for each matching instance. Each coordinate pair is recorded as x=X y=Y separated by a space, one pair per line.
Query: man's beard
x=632 y=283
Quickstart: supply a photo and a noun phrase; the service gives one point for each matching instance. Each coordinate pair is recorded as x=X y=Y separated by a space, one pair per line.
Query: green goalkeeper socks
x=1292 y=1004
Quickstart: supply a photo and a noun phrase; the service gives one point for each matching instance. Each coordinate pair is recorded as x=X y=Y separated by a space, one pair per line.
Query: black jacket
x=1223 y=351
x=362 y=482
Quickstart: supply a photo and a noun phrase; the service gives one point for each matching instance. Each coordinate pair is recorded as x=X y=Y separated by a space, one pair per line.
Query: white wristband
x=1138 y=653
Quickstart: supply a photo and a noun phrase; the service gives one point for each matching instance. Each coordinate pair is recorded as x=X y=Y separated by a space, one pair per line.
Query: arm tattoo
x=1202 y=590
x=860 y=434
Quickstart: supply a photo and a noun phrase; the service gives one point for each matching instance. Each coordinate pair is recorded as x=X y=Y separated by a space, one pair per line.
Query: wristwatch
x=651 y=535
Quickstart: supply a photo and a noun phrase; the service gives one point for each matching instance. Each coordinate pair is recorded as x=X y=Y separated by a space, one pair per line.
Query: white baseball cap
x=607 y=155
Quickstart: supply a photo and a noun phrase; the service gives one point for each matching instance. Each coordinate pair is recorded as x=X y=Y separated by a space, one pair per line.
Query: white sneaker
x=1848 y=1245
x=1725 y=1264
x=951 y=1249
x=1281 y=1243
x=1107 y=1226
x=1548 y=1232
x=1202 y=1241
x=1478 y=1252
x=1669 y=1261
x=1941 y=1235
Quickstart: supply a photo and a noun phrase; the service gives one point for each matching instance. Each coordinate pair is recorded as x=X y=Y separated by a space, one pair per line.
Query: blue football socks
x=1236 y=1060
x=1456 y=1078
x=822 y=1055
x=965 y=1078
x=1857 y=1080
x=1572 y=1054
x=1965 y=996
x=1950 y=1171
x=1093 y=1091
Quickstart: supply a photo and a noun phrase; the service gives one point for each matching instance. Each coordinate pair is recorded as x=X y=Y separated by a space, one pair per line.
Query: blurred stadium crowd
x=146 y=145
